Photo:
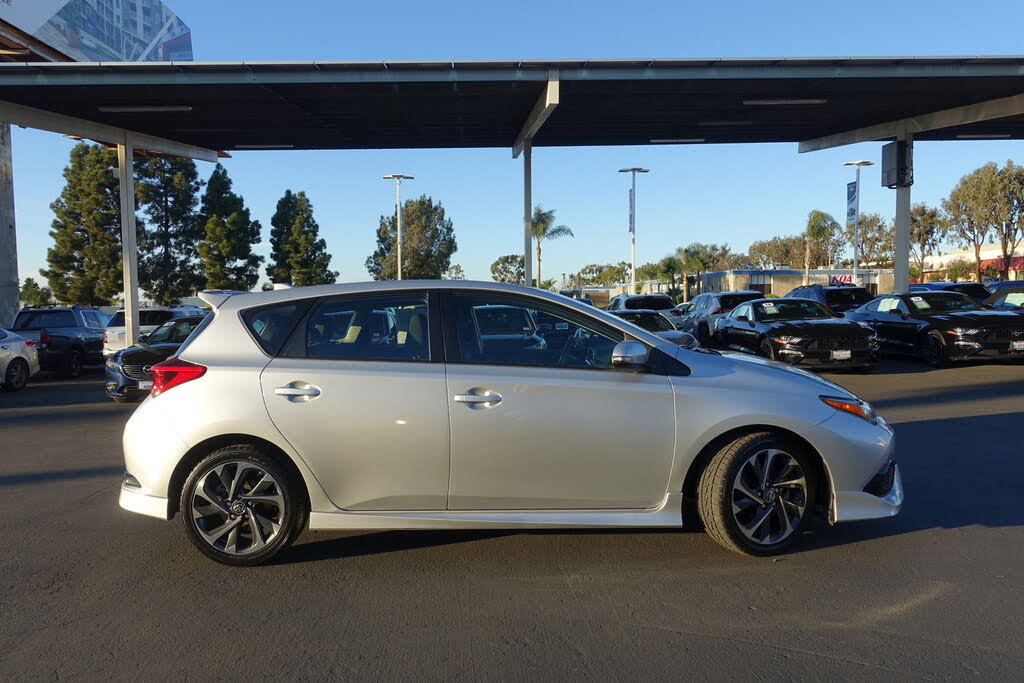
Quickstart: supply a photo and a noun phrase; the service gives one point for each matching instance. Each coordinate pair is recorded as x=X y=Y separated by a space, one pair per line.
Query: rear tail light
x=44 y=339
x=173 y=372
x=29 y=342
x=674 y=311
x=721 y=309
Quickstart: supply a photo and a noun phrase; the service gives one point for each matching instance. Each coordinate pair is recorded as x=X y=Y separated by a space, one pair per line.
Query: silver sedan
x=292 y=408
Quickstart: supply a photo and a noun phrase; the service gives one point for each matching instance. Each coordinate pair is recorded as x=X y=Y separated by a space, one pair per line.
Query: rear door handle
x=478 y=399
x=310 y=392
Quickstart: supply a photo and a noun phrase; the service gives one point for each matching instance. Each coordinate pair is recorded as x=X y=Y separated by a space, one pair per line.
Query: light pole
x=632 y=224
x=398 y=178
x=853 y=205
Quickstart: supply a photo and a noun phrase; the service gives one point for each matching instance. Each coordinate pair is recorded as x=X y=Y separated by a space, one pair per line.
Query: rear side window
x=654 y=303
x=27 y=320
x=371 y=328
x=271 y=325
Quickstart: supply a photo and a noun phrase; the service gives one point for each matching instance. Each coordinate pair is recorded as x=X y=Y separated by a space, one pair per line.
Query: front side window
x=891 y=304
x=510 y=330
x=370 y=328
x=742 y=311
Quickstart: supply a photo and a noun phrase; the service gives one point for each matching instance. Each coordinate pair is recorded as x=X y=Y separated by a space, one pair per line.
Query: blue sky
x=709 y=193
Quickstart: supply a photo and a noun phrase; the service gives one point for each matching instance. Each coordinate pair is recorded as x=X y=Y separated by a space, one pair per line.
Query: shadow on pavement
x=380 y=542
x=57 y=475
x=50 y=391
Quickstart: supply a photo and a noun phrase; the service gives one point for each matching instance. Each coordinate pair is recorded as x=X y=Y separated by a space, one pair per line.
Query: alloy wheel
x=237 y=507
x=769 y=496
x=17 y=375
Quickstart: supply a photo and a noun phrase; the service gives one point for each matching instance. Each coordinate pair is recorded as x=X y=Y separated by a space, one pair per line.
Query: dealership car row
x=815 y=326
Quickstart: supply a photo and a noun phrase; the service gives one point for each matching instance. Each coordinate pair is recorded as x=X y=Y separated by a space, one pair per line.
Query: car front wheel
x=241 y=507
x=934 y=350
x=756 y=493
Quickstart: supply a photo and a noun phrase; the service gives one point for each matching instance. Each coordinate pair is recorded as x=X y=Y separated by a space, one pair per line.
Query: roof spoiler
x=215 y=297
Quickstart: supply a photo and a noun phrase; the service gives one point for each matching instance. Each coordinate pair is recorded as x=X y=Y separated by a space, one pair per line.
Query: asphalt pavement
x=89 y=591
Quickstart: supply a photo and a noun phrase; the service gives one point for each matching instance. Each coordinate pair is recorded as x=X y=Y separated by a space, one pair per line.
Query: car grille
x=839 y=343
x=135 y=371
x=1005 y=334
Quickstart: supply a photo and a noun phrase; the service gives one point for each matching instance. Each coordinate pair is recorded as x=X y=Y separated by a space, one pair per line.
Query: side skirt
x=668 y=514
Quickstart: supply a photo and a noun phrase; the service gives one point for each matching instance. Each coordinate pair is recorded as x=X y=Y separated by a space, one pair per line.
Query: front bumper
x=135 y=500
x=962 y=348
x=121 y=386
x=822 y=358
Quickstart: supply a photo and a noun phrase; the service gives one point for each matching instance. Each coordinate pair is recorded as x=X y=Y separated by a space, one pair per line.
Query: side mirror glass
x=630 y=354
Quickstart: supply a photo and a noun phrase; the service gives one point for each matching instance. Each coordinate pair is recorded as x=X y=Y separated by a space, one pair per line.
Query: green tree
x=308 y=261
x=509 y=269
x=925 y=234
x=820 y=228
x=964 y=217
x=959 y=269
x=167 y=192
x=226 y=253
x=84 y=263
x=280 y=236
x=548 y=284
x=877 y=237
x=34 y=295
x=670 y=268
x=996 y=197
x=428 y=242
x=544 y=228
x=454 y=272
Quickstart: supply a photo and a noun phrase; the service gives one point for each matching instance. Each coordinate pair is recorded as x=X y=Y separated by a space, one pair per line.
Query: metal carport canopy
x=367 y=105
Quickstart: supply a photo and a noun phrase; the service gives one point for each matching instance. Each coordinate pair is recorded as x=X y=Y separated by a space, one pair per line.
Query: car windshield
x=28 y=320
x=145 y=318
x=791 y=309
x=944 y=302
x=655 y=303
x=652 y=322
x=734 y=300
x=847 y=295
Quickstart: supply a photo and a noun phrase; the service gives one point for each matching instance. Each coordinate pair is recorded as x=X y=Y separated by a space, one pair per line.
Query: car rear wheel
x=73 y=363
x=703 y=334
x=755 y=495
x=241 y=507
x=16 y=376
x=934 y=350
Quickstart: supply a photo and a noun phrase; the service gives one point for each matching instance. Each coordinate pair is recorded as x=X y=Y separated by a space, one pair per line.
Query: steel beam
x=546 y=104
x=129 y=247
x=528 y=213
x=947 y=118
x=29 y=117
x=9 y=281
x=901 y=257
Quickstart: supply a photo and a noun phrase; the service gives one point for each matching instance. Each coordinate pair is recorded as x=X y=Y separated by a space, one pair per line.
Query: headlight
x=112 y=363
x=789 y=340
x=965 y=331
x=861 y=409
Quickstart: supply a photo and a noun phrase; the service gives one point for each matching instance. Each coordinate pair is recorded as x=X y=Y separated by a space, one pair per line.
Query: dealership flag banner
x=851 y=204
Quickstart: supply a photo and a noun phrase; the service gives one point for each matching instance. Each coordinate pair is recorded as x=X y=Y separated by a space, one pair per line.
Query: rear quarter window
x=270 y=325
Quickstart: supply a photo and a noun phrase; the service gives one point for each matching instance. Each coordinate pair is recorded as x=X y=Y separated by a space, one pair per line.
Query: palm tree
x=670 y=267
x=820 y=227
x=544 y=229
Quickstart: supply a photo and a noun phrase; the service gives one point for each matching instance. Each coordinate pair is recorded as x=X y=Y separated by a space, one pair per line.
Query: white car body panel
x=13 y=346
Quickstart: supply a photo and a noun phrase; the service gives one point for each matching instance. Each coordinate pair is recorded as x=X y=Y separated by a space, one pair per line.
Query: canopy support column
x=9 y=293
x=129 y=246
x=528 y=212
x=901 y=257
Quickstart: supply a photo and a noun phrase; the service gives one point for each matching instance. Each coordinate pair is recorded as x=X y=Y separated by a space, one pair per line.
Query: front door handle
x=482 y=400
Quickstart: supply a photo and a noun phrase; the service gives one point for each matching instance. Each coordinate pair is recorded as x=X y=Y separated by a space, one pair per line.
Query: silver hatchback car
x=292 y=407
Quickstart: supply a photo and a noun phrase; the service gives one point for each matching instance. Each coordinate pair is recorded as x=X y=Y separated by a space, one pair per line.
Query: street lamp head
x=397 y=176
x=634 y=170
x=862 y=162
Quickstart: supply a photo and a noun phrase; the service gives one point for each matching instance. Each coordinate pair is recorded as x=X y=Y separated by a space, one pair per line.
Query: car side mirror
x=630 y=354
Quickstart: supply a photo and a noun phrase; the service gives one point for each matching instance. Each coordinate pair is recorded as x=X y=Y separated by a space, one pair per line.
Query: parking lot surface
x=90 y=591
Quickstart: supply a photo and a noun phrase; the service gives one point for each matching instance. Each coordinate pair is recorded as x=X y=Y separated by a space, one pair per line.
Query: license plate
x=1017 y=346
x=146 y=384
x=842 y=355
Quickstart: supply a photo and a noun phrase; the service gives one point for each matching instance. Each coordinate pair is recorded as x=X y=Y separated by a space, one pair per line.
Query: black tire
x=716 y=494
x=766 y=350
x=16 y=377
x=703 y=334
x=933 y=350
x=291 y=515
x=72 y=364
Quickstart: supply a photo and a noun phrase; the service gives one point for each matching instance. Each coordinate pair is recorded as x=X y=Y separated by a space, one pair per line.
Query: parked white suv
x=150 y=318
x=285 y=407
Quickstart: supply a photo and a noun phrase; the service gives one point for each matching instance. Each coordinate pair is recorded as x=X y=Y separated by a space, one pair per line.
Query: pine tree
x=428 y=242
x=167 y=189
x=280 y=239
x=308 y=261
x=228 y=234
x=85 y=260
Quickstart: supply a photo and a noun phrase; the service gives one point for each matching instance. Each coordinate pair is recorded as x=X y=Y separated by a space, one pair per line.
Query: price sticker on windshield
x=770 y=307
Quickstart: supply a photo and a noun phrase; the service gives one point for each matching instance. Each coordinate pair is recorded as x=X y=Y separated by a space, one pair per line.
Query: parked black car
x=942 y=326
x=128 y=377
x=656 y=322
x=67 y=337
x=972 y=289
x=700 y=315
x=838 y=298
x=798 y=332
x=1007 y=299
x=1004 y=284
x=646 y=302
